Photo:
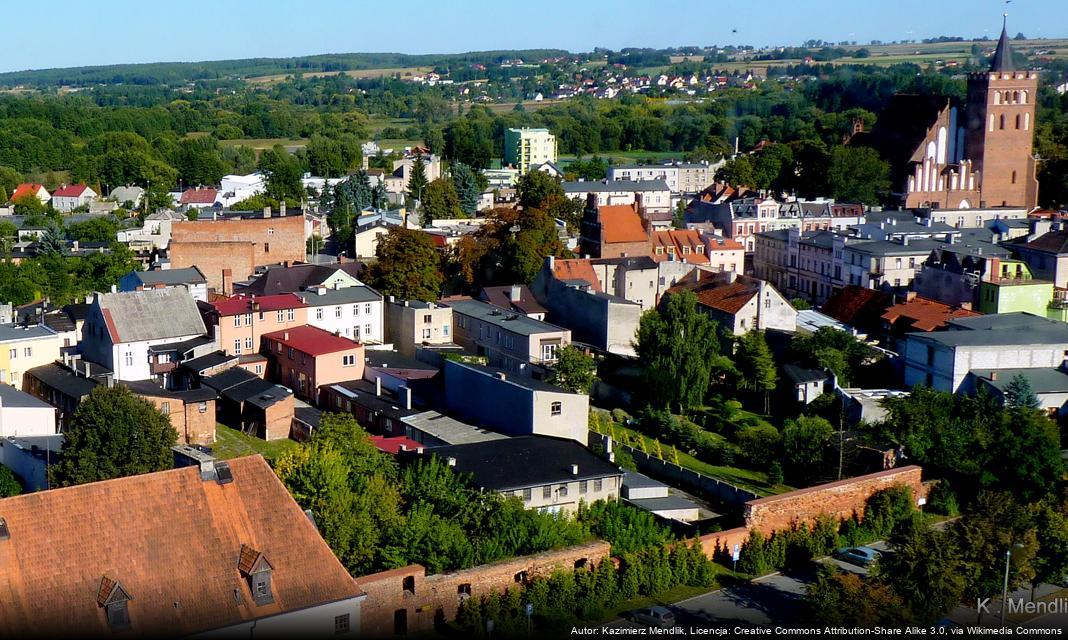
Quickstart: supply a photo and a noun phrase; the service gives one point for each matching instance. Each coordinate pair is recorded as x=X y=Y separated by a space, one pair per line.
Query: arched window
x=990 y=127
x=1017 y=121
x=1015 y=97
x=1027 y=121
x=1014 y=177
x=1023 y=97
x=1001 y=123
x=997 y=97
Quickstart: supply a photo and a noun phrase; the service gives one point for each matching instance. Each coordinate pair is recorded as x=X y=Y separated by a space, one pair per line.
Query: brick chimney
x=227 y=281
x=267 y=212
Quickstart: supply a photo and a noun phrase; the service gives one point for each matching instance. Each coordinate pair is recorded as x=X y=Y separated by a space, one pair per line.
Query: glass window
x=291 y=314
x=426 y=334
x=555 y=408
x=28 y=351
x=562 y=491
x=367 y=329
x=445 y=330
x=248 y=343
x=248 y=319
x=337 y=312
x=279 y=317
x=318 y=313
x=583 y=486
x=237 y=346
x=367 y=308
x=547 y=492
x=341 y=624
x=237 y=321
x=597 y=485
x=348 y=361
x=526 y=495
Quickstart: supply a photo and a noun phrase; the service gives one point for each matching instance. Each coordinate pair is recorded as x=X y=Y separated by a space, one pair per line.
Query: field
x=404 y=72
x=259 y=144
x=529 y=105
x=231 y=443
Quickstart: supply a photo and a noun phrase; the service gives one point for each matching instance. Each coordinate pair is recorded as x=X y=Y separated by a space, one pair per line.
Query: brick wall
x=213 y=257
x=280 y=419
x=840 y=499
x=423 y=598
x=193 y=427
x=266 y=240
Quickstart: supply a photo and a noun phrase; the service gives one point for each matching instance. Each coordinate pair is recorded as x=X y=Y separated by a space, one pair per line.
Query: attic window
x=113 y=598
x=255 y=568
x=5 y=534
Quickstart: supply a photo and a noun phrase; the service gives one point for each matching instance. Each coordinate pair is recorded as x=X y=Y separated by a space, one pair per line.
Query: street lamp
x=1005 y=585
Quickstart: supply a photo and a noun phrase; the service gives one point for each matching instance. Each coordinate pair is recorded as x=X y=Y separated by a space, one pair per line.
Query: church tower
x=1000 y=130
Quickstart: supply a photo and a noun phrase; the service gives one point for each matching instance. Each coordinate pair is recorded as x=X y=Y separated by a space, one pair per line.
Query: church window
x=1017 y=121
x=1001 y=124
x=1014 y=177
x=997 y=97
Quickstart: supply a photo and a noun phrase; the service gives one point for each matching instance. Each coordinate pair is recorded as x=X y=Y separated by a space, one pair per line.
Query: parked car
x=654 y=617
x=860 y=556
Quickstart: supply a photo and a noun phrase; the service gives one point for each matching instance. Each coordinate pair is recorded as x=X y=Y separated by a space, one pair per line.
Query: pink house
x=239 y=322
x=307 y=358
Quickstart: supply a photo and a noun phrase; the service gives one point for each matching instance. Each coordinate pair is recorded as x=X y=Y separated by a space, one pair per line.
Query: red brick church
x=944 y=155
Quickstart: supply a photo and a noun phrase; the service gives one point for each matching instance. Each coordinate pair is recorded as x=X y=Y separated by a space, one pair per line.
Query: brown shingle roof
x=1051 y=242
x=172 y=541
x=716 y=292
x=857 y=306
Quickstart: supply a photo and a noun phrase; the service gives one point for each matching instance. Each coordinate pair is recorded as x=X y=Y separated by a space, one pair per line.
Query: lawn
x=231 y=443
x=266 y=143
x=755 y=481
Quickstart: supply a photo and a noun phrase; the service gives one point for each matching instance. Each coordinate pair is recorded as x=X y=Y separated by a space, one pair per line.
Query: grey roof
x=525 y=461
x=346 y=295
x=260 y=394
x=63 y=380
x=151 y=388
x=132 y=316
x=1002 y=60
x=385 y=359
x=11 y=332
x=308 y=415
x=126 y=194
x=171 y=277
x=799 y=375
x=1042 y=380
x=1006 y=329
x=281 y=279
x=516 y=323
x=611 y=186
x=448 y=429
x=12 y=397
x=667 y=503
x=635 y=480
x=228 y=379
x=209 y=361
x=510 y=377
x=362 y=393
x=887 y=248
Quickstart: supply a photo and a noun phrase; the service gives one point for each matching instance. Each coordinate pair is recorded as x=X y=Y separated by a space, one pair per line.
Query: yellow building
x=23 y=348
x=527 y=148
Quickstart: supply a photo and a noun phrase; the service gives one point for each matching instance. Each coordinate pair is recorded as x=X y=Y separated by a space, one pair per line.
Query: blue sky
x=65 y=33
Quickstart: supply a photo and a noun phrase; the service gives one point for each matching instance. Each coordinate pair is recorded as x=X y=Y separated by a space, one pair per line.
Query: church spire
x=1003 y=54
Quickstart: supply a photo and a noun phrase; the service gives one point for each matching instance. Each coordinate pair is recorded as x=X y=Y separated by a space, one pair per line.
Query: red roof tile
x=683 y=243
x=392 y=445
x=715 y=291
x=578 y=269
x=171 y=542
x=70 y=191
x=239 y=304
x=924 y=314
x=27 y=188
x=312 y=340
x=621 y=223
x=856 y=306
x=199 y=196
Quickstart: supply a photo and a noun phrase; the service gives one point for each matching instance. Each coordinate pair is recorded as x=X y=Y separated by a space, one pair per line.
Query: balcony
x=159 y=368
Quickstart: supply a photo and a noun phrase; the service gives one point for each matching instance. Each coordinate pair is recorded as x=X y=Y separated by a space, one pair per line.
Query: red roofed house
x=210 y=547
x=31 y=189
x=613 y=231
x=858 y=307
x=684 y=245
x=239 y=322
x=395 y=444
x=68 y=198
x=922 y=314
x=200 y=197
x=306 y=358
x=739 y=302
x=724 y=254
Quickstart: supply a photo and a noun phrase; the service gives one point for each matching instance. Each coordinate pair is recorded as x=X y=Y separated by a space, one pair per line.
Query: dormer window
x=114 y=600
x=257 y=571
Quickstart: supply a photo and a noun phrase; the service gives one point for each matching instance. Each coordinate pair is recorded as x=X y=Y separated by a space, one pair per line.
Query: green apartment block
x=1012 y=288
x=527 y=148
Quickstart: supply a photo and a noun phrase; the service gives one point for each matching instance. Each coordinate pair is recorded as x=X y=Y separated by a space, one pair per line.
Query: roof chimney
x=267 y=212
x=451 y=461
x=574 y=469
x=285 y=336
x=516 y=293
x=378 y=385
x=993 y=376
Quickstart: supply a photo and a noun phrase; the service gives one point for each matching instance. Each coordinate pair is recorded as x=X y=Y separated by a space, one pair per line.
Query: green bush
x=943 y=500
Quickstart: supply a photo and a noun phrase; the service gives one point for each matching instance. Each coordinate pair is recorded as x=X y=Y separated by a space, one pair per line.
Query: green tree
x=1020 y=394
x=100 y=229
x=755 y=365
x=407 y=265
x=535 y=187
x=417 y=181
x=466 y=187
x=574 y=370
x=840 y=598
x=440 y=201
x=1051 y=560
x=679 y=347
x=114 y=434
x=924 y=570
x=28 y=205
x=858 y=174
x=9 y=483
x=283 y=175
x=805 y=443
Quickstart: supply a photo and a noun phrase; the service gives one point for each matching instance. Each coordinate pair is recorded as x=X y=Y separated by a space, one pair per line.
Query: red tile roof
x=27 y=189
x=856 y=306
x=392 y=445
x=716 y=291
x=239 y=304
x=924 y=314
x=172 y=542
x=199 y=196
x=578 y=269
x=683 y=243
x=70 y=191
x=621 y=223
x=312 y=340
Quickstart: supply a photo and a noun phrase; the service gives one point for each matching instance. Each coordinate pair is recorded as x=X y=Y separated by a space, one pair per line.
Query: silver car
x=654 y=617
